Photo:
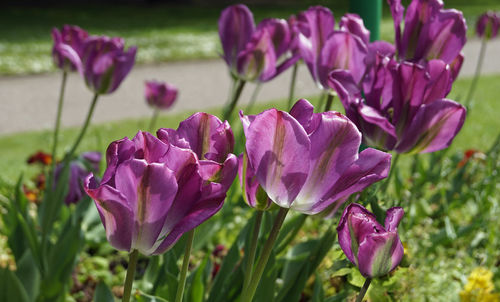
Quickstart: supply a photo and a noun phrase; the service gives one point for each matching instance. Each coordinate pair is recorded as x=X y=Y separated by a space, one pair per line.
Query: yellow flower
x=479 y=287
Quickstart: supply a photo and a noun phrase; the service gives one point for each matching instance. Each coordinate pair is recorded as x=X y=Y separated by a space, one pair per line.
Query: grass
x=479 y=131
x=162 y=32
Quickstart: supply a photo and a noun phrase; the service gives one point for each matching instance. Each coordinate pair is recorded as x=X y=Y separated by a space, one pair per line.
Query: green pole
x=371 y=13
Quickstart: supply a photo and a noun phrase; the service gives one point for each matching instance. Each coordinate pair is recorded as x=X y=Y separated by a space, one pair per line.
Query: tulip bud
x=375 y=250
x=487 y=25
x=68 y=47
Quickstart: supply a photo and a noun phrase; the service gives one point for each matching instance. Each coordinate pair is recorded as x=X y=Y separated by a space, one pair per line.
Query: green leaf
x=28 y=274
x=267 y=284
x=103 y=293
x=196 y=290
x=289 y=231
x=318 y=293
x=142 y=297
x=11 y=289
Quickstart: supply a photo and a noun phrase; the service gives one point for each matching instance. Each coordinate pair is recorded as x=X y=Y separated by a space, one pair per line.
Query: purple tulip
x=106 y=64
x=79 y=169
x=156 y=189
x=375 y=250
x=309 y=161
x=487 y=25
x=68 y=47
x=160 y=95
x=402 y=106
x=325 y=49
x=430 y=32
x=255 y=54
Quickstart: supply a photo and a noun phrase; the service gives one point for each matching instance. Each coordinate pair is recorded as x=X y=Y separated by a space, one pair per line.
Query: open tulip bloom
x=156 y=189
x=374 y=249
x=306 y=161
x=402 y=106
x=255 y=53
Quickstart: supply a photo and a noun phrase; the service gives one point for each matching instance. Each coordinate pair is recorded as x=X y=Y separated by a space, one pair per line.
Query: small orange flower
x=40 y=157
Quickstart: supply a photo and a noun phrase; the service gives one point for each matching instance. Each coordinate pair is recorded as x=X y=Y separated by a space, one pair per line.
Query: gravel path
x=29 y=102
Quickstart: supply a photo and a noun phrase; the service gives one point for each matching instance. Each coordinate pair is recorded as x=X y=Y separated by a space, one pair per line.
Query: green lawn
x=481 y=128
x=162 y=32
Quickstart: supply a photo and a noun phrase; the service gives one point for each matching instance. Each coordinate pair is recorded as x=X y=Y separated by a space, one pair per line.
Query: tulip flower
x=487 y=25
x=106 y=63
x=402 y=107
x=375 y=250
x=255 y=53
x=430 y=32
x=156 y=189
x=160 y=95
x=68 y=47
x=79 y=169
x=324 y=49
x=309 y=161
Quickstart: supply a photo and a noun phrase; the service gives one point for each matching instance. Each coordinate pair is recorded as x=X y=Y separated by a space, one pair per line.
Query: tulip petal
x=116 y=215
x=392 y=219
x=277 y=146
x=353 y=24
x=334 y=147
x=434 y=127
x=116 y=153
x=150 y=190
x=236 y=26
x=149 y=147
x=371 y=166
x=448 y=36
x=303 y=112
x=379 y=254
x=253 y=194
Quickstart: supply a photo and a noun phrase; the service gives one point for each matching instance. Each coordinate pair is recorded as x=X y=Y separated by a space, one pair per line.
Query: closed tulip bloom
x=402 y=106
x=68 y=47
x=106 y=63
x=374 y=249
x=309 y=161
x=160 y=95
x=430 y=32
x=487 y=25
x=79 y=169
x=154 y=190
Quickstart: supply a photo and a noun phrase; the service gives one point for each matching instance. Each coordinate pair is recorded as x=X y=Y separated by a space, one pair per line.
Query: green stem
x=248 y=294
x=292 y=85
x=58 y=119
x=252 y=249
x=152 y=122
x=329 y=100
x=322 y=98
x=254 y=97
x=477 y=73
x=363 y=290
x=385 y=185
x=84 y=128
x=129 y=280
x=237 y=93
x=185 y=265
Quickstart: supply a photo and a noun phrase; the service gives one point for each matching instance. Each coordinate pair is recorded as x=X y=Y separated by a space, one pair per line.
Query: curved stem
x=84 y=128
x=248 y=294
x=254 y=96
x=129 y=279
x=292 y=85
x=58 y=118
x=152 y=122
x=252 y=249
x=185 y=265
x=363 y=290
x=329 y=100
x=237 y=93
x=477 y=74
